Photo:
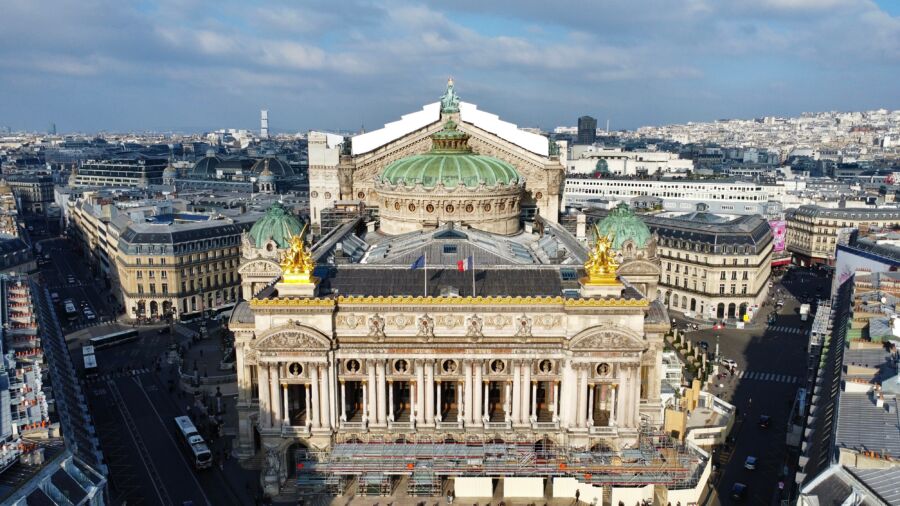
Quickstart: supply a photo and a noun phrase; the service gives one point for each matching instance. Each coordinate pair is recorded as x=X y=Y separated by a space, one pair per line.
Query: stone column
x=526 y=395
x=460 y=401
x=469 y=396
x=437 y=405
x=592 y=392
x=420 y=392
x=487 y=391
x=326 y=398
x=613 y=403
x=382 y=386
x=243 y=376
x=506 y=403
x=365 y=406
x=343 y=401
x=330 y=378
x=372 y=391
x=556 y=400
x=429 y=392
x=315 y=404
x=265 y=390
x=636 y=395
x=517 y=392
x=275 y=373
x=534 y=387
x=581 y=418
x=621 y=407
x=307 y=406
x=478 y=403
x=390 y=387
x=287 y=406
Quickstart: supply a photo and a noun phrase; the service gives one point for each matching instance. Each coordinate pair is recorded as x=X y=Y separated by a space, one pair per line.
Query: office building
x=812 y=231
x=587 y=130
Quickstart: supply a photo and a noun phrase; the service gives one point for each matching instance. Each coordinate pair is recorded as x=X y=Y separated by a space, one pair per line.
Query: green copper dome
x=623 y=225
x=278 y=225
x=450 y=162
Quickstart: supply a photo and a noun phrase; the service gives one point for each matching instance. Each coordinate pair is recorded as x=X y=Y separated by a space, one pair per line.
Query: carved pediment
x=292 y=337
x=608 y=337
x=260 y=266
x=638 y=268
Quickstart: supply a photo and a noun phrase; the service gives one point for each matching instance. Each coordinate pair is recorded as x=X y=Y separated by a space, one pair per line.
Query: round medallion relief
x=497 y=366
x=501 y=206
x=602 y=369
x=295 y=369
x=449 y=366
x=469 y=208
x=412 y=208
x=314 y=194
x=361 y=195
x=487 y=208
x=353 y=366
x=449 y=208
x=429 y=208
x=327 y=195
x=396 y=206
x=538 y=196
x=401 y=366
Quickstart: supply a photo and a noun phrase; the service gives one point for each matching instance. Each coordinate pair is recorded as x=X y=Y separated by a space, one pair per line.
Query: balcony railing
x=545 y=425
x=497 y=425
x=603 y=431
x=294 y=430
x=353 y=425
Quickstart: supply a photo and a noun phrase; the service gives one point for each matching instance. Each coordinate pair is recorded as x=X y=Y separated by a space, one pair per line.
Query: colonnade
x=568 y=398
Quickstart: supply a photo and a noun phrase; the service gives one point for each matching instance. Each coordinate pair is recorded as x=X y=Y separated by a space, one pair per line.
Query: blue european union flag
x=419 y=263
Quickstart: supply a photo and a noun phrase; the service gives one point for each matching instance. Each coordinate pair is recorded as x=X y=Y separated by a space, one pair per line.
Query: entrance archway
x=720 y=310
x=154 y=308
x=731 y=309
x=296 y=458
x=743 y=311
x=693 y=304
x=668 y=296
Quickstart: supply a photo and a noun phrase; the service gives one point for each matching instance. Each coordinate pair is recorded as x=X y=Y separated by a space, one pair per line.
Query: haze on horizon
x=196 y=65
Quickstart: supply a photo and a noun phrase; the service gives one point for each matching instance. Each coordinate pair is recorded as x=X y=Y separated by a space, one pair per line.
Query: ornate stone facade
x=582 y=371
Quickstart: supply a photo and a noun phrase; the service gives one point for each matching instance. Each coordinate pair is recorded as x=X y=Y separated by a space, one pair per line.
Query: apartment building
x=812 y=231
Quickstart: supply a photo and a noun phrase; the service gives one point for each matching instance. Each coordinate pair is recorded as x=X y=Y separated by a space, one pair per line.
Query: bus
x=90 y=360
x=113 y=339
x=193 y=442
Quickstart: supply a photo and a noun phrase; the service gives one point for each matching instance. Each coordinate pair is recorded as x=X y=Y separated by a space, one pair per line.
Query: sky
x=194 y=65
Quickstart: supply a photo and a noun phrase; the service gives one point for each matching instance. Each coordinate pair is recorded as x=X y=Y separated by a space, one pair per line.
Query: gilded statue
x=297 y=264
x=601 y=262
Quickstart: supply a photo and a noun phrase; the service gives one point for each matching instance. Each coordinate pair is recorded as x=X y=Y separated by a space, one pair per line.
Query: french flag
x=464 y=265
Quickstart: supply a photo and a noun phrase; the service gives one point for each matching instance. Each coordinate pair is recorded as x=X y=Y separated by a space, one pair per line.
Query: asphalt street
x=771 y=365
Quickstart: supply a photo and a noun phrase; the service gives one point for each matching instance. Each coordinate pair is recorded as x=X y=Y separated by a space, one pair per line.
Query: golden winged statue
x=601 y=264
x=296 y=263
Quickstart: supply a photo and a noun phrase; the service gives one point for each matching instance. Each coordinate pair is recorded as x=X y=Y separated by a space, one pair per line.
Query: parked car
x=727 y=362
x=750 y=463
x=738 y=491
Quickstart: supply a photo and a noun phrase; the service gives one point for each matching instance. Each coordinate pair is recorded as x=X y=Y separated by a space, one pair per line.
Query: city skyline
x=161 y=66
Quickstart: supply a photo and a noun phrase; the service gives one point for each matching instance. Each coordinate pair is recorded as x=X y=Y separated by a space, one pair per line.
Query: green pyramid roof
x=278 y=224
x=623 y=225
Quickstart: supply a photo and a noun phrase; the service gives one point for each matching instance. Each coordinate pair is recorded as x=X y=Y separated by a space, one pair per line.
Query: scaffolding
x=656 y=459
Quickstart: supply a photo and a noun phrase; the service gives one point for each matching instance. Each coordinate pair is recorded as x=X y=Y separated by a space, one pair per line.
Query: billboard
x=778 y=230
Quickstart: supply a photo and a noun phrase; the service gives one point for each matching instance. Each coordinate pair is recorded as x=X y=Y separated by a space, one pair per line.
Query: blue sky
x=193 y=65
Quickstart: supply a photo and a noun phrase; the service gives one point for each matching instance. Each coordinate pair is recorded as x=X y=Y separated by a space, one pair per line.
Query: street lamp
x=717 y=347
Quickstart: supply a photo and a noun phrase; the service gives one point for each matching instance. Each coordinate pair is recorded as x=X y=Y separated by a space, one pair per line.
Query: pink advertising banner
x=778 y=229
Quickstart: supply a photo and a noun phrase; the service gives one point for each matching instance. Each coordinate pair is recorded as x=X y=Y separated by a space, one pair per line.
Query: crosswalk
x=102 y=378
x=784 y=329
x=768 y=376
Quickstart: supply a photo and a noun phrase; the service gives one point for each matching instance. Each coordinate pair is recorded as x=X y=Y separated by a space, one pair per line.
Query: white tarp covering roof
x=468 y=113
x=507 y=131
x=332 y=140
x=392 y=131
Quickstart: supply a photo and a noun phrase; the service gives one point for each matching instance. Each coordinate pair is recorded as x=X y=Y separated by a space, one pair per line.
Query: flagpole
x=473 y=275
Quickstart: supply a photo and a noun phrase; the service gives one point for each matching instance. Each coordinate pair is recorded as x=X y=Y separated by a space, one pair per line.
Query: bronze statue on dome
x=449 y=100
